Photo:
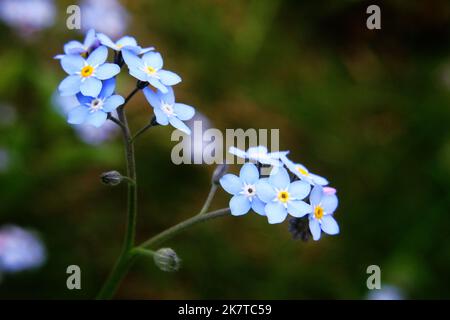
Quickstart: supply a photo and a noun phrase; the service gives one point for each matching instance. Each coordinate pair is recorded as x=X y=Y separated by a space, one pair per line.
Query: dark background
x=368 y=109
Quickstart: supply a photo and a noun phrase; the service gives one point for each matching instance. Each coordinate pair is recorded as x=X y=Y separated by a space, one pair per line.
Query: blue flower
x=244 y=190
x=94 y=110
x=77 y=48
x=85 y=74
x=321 y=218
x=303 y=173
x=20 y=249
x=283 y=197
x=167 y=110
x=124 y=43
x=149 y=69
x=260 y=154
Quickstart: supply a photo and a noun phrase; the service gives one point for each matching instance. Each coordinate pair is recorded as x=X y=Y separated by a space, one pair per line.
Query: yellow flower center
x=318 y=212
x=87 y=71
x=302 y=171
x=283 y=196
x=150 y=70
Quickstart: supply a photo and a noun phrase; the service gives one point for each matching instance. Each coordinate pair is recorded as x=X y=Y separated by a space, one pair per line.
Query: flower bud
x=219 y=172
x=111 y=178
x=167 y=260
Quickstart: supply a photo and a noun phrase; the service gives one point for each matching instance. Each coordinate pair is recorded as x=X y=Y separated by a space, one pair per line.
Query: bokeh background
x=370 y=110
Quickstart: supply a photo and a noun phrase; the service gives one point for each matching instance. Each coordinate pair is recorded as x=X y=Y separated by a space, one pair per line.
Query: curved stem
x=141 y=131
x=212 y=193
x=176 y=229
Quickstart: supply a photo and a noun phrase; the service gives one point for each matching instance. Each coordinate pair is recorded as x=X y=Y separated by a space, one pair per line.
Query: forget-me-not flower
x=283 y=197
x=124 y=43
x=244 y=190
x=149 y=69
x=85 y=75
x=94 y=110
x=260 y=154
x=303 y=173
x=20 y=249
x=321 y=218
x=76 y=47
x=167 y=110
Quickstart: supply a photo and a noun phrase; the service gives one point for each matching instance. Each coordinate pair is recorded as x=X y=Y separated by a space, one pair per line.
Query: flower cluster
x=92 y=80
x=283 y=193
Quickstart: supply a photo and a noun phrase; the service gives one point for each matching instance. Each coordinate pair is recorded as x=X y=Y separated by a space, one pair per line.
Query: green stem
x=126 y=257
x=176 y=229
x=207 y=204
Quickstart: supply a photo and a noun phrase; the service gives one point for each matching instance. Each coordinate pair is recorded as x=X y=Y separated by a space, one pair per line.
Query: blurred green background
x=367 y=109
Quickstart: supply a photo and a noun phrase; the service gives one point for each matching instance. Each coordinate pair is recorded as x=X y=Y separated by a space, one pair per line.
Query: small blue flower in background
x=149 y=69
x=20 y=249
x=85 y=74
x=321 y=218
x=124 y=43
x=77 y=48
x=243 y=189
x=260 y=154
x=168 y=111
x=283 y=197
x=94 y=110
x=107 y=16
x=302 y=172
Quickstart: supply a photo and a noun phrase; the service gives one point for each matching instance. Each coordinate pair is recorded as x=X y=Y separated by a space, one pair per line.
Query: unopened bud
x=167 y=260
x=219 y=172
x=111 y=178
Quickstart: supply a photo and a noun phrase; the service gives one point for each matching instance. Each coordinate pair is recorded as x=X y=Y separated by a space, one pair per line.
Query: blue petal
x=158 y=85
x=91 y=87
x=90 y=38
x=112 y=103
x=298 y=208
x=168 y=96
x=183 y=111
x=329 y=203
x=83 y=100
x=279 y=178
x=132 y=60
x=98 y=56
x=127 y=41
x=139 y=74
x=153 y=59
x=97 y=119
x=105 y=40
x=318 y=179
x=314 y=227
x=265 y=191
x=169 y=78
x=275 y=212
x=231 y=184
x=108 y=88
x=107 y=71
x=237 y=152
x=239 y=205
x=299 y=189
x=161 y=117
x=78 y=115
x=70 y=85
x=152 y=98
x=145 y=50
x=329 y=225
x=177 y=123
x=73 y=47
x=258 y=206
x=249 y=173
x=316 y=195
x=72 y=63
